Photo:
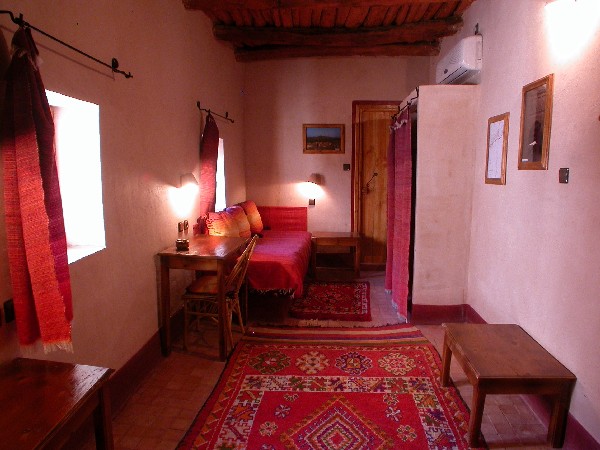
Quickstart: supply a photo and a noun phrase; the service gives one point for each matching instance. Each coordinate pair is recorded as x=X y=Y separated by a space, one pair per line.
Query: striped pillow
x=222 y=224
x=256 y=225
x=238 y=214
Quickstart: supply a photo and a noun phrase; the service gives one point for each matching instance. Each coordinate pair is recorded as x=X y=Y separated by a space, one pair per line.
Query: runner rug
x=333 y=301
x=334 y=388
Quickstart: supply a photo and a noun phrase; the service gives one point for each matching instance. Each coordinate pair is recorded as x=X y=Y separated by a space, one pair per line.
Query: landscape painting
x=318 y=138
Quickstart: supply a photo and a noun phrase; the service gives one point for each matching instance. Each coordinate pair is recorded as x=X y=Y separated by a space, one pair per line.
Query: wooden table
x=504 y=359
x=336 y=239
x=44 y=402
x=207 y=253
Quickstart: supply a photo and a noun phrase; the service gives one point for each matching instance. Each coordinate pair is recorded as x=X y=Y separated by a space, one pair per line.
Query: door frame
x=357 y=156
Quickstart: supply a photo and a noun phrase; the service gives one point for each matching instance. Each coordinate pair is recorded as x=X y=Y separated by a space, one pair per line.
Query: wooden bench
x=44 y=402
x=504 y=359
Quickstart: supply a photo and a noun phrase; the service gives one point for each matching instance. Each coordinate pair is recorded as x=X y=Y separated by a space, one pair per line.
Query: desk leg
x=476 y=416
x=103 y=421
x=558 y=419
x=446 y=357
x=221 y=310
x=357 y=260
x=165 y=309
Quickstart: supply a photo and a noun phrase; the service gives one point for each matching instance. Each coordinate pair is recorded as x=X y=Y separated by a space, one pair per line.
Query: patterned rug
x=335 y=388
x=333 y=301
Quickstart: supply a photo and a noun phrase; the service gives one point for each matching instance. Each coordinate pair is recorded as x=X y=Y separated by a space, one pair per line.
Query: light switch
x=563 y=175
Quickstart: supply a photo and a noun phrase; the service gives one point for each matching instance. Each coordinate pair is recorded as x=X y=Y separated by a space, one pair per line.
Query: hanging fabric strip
x=37 y=247
x=399 y=178
x=209 y=147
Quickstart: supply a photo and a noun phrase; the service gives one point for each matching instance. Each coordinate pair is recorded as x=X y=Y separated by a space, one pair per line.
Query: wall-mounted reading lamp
x=188 y=179
x=314 y=181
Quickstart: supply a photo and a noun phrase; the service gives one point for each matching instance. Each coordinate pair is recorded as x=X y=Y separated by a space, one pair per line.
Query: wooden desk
x=336 y=239
x=209 y=253
x=44 y=402
x=504 y=359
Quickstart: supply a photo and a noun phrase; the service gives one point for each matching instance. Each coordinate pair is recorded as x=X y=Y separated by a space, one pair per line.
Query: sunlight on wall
x=220 y=203
x=77 y=138
x=570 y=25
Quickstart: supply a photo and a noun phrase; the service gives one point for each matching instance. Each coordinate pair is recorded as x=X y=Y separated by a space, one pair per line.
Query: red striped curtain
x=37 y=246
x=399 y=180
x=209 y=149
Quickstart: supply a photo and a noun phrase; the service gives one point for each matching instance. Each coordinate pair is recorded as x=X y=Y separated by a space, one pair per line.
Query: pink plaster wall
x=150 y=130
x=445 y=154
x=534 y=250
x=282 y=95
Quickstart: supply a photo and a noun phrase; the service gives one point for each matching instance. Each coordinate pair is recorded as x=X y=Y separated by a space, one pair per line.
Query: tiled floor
x=165 y=404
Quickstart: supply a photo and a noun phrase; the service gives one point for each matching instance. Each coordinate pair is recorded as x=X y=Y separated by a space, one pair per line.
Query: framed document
x=497 y=142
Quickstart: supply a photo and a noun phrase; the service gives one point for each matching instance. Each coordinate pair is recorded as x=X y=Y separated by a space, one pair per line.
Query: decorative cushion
x=238 y=214
x=256 y=225
x=222 y=224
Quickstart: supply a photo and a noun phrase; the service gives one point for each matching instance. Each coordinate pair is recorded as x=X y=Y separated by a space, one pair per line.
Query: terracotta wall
x=282 y=95
x=150 y=130
x=535 y=252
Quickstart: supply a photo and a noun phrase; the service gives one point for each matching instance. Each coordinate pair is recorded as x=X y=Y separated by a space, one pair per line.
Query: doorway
x=371 y=133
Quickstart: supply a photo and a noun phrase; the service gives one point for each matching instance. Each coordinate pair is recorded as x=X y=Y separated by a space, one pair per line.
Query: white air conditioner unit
x=462 y=63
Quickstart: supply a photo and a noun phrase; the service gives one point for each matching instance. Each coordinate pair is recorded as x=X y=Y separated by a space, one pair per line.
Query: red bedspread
x=280 y=261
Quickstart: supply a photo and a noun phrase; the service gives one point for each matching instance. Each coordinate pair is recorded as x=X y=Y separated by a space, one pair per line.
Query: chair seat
x=201 y=298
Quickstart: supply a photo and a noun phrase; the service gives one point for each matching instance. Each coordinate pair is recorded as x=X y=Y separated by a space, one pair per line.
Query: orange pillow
x=238 y=214
x=256 y=225
x=222 y=224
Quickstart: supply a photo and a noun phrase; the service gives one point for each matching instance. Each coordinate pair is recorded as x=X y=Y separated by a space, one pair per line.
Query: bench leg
x=476 y=416
x=558 y=419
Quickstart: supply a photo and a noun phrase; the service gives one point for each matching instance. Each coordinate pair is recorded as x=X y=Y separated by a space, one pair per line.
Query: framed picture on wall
x=497 y=142
x=536 y=121
x=323 y=138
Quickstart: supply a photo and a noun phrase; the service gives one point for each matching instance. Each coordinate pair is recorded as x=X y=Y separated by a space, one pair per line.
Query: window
x=220 y=194
x=77 y=140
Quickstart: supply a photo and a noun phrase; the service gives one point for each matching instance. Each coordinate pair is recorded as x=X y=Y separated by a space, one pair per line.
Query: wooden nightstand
x=325 y=242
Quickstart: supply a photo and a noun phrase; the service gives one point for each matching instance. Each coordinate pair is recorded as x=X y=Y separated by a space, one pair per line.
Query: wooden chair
x=200 y=299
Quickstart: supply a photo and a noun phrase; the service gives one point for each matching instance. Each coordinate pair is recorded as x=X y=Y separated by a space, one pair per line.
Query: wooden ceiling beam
x=281 y=52
x=337 y=37
x=205 y=5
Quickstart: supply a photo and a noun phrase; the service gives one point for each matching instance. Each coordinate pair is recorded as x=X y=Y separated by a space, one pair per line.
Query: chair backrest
x=234 y=280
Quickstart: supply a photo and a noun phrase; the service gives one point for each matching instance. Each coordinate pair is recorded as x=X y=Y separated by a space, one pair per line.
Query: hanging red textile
x=399 y=182
x=209 y=149
x=37 y=246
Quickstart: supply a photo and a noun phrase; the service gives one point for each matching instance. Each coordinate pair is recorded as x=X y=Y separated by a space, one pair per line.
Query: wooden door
x=371 y=129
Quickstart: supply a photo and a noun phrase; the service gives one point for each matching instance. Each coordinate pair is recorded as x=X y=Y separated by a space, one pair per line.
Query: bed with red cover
x=282 y=254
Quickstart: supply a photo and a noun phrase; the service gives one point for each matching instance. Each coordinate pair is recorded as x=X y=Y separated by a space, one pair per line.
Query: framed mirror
x=536 y=121
x=497 y=140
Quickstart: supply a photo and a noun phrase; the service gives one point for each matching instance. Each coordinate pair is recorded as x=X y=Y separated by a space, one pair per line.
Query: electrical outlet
x=9 y=310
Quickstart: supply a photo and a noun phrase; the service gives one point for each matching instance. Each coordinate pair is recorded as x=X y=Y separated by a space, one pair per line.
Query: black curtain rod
x=408 y=103
x=112 y=66
x=226 y=116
